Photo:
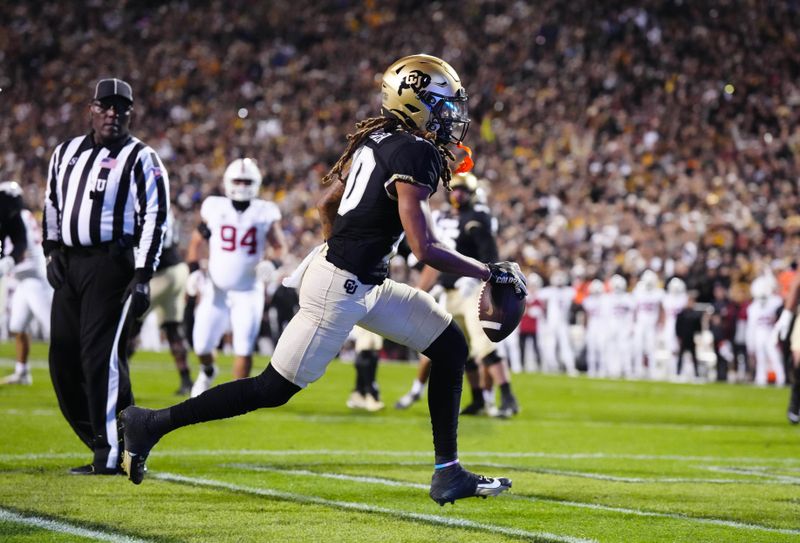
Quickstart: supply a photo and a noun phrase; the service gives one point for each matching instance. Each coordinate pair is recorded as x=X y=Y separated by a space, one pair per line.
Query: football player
x=760 y=339
x=648 y=297
x=618 y=309
x=557 y=299
x=236 y=227
x=33 y=295
x=468 y=227
x=674 y=302
x=594 y=308
x=396 y=162
x=530 y=324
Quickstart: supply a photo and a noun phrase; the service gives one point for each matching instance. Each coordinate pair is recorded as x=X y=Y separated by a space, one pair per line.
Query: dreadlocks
x=367 y=127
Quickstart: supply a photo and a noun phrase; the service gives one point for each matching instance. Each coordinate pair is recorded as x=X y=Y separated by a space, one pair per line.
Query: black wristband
x=194 y=266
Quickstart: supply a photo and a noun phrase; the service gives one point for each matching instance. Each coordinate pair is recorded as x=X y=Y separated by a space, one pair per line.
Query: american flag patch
x=156 y=172
x=108 y=162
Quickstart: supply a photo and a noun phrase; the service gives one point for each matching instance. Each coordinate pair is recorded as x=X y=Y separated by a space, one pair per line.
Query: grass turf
x=593 y=460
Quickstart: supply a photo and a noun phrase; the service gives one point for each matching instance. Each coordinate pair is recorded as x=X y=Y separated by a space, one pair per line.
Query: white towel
x=296 y=277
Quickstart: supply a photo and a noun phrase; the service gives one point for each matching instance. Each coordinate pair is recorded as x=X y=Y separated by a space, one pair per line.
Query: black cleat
x=474 y=408
x=793 y=413
x=89 y=469
x=138 y=441
x=454 y=483
x=508 y=408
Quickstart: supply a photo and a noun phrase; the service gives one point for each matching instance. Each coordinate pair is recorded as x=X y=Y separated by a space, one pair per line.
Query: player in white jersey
x=761 y=344
x=31 y=300
x=557 y=299
x=619 y=308
x=674 y=302
x=594 y=307
x=236 y=226
x=649 y=298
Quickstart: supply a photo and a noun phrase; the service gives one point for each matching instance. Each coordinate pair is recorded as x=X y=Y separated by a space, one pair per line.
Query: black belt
x=114 y=247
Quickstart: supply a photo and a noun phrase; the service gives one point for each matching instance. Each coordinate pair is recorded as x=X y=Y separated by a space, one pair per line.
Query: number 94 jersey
x=237 y=240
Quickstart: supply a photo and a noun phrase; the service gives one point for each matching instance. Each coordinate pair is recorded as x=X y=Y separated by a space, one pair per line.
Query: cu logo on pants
x=350 y=286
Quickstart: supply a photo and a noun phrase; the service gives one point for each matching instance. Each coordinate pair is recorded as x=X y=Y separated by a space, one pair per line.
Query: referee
x=105 y=206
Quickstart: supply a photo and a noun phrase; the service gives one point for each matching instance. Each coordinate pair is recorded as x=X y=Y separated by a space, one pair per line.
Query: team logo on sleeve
x=416 y=80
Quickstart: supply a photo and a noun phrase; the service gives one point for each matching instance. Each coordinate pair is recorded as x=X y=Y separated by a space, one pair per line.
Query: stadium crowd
x=615 y=137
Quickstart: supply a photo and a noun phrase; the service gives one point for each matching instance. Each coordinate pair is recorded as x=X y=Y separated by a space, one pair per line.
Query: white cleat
x=372 y=404
x=356 y=400
x=203 y=382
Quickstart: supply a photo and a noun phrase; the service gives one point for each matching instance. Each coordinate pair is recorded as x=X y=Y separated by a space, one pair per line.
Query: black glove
x=139 y=291
x=56 y=268
x=508 y=273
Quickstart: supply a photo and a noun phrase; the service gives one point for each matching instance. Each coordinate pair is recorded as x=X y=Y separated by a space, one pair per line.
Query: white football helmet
x=596 y=287
x=649 y=279
x=242 y=180
x=618 y=283
x=425 y=93
x=760 y=288
x=676 y=286
x=558 y=278
x=534 y=281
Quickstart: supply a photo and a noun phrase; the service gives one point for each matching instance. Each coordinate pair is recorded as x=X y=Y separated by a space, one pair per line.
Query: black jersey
x=367 y=227
x=470 y=231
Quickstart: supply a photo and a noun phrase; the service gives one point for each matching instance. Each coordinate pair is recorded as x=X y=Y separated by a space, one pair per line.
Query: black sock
x=505 y=391
x=268 y=389
x=208 y=370
x=448 y=353
x=477 y=396
x=185 y=376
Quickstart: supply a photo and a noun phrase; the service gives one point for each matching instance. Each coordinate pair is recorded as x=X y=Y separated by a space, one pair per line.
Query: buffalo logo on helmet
x=416 y=80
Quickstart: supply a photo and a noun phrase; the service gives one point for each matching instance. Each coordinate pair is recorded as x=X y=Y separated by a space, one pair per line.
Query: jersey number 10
x=228 y=235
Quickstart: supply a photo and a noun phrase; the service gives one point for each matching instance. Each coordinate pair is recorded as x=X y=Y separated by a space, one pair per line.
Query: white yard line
x=65 y=528
x=366 y=508
x=582 y=505
x=759 y=472
x=474 y=455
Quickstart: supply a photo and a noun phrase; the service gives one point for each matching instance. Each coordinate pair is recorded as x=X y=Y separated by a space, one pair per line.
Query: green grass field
x=591 y=460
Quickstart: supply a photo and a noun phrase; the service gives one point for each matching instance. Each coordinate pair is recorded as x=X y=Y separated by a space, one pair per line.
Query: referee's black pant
x=88 y=363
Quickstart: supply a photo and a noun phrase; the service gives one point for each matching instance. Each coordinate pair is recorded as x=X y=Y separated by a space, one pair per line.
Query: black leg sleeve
x=268 y=389
x=448 y=353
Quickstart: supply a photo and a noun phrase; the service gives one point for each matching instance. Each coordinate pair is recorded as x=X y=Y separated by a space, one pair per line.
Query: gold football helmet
x=425 y=93
x=467 y=181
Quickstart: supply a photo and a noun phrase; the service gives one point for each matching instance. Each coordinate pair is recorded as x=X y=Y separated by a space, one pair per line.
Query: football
x=499 y=310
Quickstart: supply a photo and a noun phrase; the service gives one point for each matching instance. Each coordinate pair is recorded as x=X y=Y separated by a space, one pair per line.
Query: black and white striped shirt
x=98 y=193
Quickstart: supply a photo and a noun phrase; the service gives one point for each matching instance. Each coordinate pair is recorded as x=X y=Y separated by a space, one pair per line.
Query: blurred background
x=610 y=137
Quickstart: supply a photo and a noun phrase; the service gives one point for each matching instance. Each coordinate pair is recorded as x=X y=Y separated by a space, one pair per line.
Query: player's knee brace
x=449 y=348
x=491 y=359
x=273 y=389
